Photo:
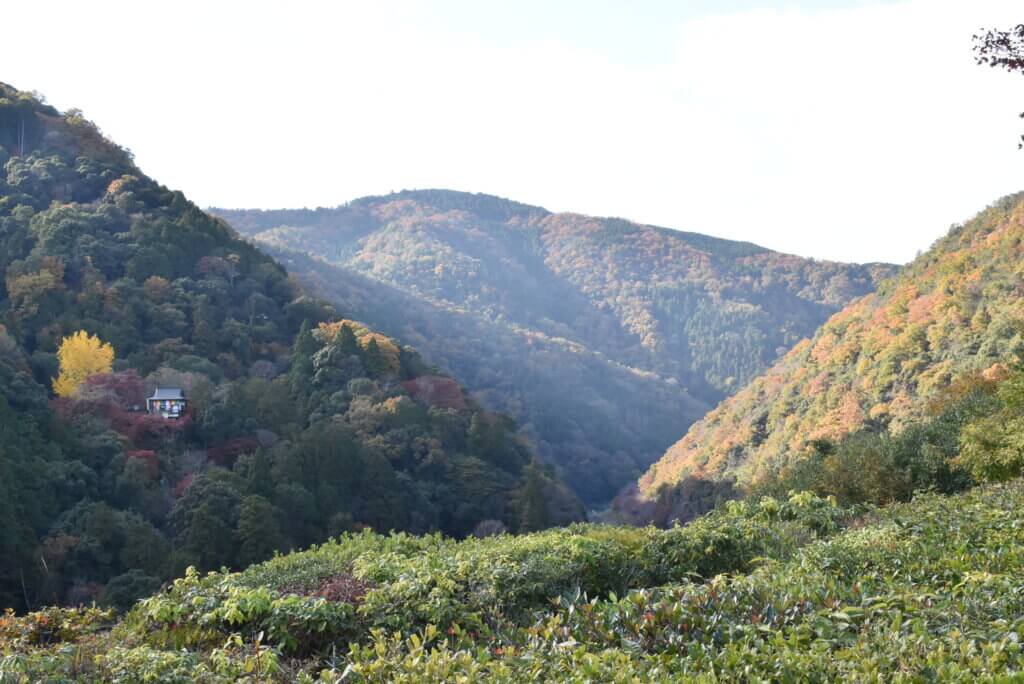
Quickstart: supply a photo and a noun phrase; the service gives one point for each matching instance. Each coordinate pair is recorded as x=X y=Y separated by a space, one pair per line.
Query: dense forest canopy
x=605 y=339
x=951 y=321
x=302 y=423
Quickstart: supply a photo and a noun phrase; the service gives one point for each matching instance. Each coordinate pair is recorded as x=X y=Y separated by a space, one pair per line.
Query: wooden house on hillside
x=169 y=402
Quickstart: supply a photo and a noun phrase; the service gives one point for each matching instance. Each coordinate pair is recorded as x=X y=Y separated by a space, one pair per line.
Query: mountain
x=604 y=338
x=301 y=422
x=952 y=319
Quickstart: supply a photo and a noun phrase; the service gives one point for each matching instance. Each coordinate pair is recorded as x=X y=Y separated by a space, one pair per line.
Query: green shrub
x=882 y=467
x=769 y=590
x=480 y=585
x=992 y=446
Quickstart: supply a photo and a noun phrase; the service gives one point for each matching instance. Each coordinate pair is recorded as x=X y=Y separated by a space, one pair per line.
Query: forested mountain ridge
x=604 y=338
x=950 y=320
x=301 y=422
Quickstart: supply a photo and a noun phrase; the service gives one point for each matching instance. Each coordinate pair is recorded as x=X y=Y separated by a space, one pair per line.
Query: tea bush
x=482 y=585
x=774 y=590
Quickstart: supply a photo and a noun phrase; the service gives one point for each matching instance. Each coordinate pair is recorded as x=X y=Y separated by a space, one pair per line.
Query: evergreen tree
x=373 y=359
x=205 y=518
x=345 y=342
x=208 y=540
x=533 y=512
x=300 y=375
x=258 y=474
x=259 y=531
x=204 y=330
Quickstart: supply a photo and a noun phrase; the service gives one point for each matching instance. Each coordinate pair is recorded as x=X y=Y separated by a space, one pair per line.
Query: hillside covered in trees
x=894 y=371
x=605 y=339
x=796 y=587
x=301 y=422
x=854 y=513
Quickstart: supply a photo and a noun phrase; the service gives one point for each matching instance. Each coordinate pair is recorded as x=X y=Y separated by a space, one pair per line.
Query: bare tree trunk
x=24 y=590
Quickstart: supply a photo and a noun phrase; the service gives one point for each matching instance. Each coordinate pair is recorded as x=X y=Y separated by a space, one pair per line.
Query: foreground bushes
x=770 y=591
x=929 y=592
x=480 y=585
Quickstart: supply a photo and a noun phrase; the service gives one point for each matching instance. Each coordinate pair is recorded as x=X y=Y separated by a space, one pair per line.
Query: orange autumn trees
x=81 y=355
x=372 y=343
x=879 y=363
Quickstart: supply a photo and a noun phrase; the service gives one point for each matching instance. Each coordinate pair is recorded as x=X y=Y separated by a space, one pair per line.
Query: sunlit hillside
x=950 y=320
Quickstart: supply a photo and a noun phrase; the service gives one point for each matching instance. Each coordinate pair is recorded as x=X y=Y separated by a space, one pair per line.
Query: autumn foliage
x=81 y=355
x=948 y=323
x=386 y=347
x=435 y=390
x=286 y=439
x=118 y=400
x=605 y=339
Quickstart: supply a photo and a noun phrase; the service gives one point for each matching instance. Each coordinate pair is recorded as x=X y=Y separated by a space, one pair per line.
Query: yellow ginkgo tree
x=81 y=355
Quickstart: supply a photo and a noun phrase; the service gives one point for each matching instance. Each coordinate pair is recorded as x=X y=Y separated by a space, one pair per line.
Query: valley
x=603 y=338
x=442 y=436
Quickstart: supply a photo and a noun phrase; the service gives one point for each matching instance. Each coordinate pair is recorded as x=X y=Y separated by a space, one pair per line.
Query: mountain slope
x=604 y=338
x=955 y=312
x=301 y=422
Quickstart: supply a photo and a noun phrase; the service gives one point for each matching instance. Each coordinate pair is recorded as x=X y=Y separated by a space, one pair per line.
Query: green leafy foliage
x=468 y=590
x=775 y=590
x=880 y=467
x=476 y=585
x=992 y=446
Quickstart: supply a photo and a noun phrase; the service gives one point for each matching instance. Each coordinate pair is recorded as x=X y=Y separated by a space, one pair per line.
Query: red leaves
x=117 y=398
x=146 y=430
x=120 y=398
x=126 y=388
x=343 y=588
x=436 y=390
x=183 y=484
x=226 y=453
x=150 y=459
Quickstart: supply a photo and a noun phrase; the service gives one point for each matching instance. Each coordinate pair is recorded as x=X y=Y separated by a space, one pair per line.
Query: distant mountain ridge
x=604 y=338
x=955 y=312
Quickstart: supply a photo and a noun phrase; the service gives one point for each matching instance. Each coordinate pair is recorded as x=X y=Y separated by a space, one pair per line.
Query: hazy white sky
x=844 y=130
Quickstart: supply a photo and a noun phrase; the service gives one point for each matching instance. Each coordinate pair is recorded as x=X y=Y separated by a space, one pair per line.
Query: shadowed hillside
x=604 y=338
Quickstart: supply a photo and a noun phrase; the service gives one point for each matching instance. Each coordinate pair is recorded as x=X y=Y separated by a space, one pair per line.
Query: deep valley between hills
x=443 y=436
x=604 y=339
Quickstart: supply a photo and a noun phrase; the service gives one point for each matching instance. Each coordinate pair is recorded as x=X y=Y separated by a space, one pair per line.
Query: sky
x=846 y=130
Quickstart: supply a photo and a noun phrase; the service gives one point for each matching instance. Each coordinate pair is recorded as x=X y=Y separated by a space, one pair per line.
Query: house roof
x=168 y=393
